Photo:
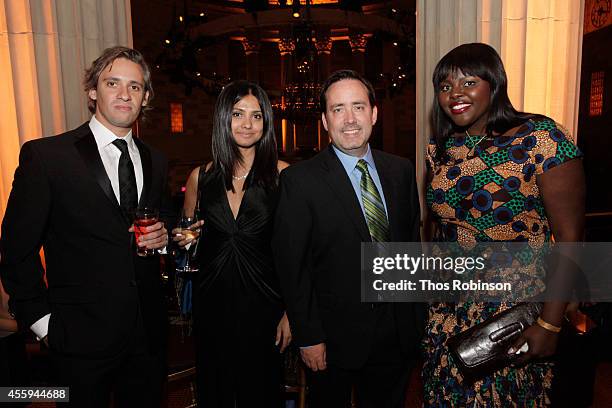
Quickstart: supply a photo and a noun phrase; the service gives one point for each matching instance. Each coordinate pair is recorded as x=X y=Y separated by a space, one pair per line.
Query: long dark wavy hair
x=264 y=171
x=481 y=60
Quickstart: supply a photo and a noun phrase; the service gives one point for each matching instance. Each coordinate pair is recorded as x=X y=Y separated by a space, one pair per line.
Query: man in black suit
x=329 y=205
x=101 y=312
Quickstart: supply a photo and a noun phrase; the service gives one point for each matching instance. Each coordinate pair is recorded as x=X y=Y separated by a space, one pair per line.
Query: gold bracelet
x=548 y=326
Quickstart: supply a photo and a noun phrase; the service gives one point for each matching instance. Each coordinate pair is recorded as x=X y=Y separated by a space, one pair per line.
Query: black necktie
x=128 y=193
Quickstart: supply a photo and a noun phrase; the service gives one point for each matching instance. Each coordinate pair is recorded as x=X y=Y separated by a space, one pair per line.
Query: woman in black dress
x=238 y=313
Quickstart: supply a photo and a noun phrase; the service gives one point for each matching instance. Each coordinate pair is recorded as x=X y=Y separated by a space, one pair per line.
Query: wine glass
x=188 y=228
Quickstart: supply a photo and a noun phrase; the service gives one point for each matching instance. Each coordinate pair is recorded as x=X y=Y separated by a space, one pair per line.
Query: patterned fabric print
x=443 y=384
x=494 y=196
x=491 y=195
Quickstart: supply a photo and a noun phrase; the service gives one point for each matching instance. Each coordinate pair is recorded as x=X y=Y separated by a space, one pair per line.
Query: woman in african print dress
x=495 y=174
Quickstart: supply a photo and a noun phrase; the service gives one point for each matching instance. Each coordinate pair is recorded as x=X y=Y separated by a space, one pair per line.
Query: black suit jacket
x=319 y=229
x=62 y=200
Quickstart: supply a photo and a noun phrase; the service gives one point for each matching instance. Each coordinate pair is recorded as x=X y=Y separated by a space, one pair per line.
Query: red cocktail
x=144 y=218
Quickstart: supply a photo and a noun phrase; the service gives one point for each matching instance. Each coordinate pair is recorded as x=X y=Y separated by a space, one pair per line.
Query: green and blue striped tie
x=376 y=217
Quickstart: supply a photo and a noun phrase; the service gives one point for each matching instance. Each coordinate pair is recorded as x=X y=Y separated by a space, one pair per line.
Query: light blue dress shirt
x=349 y=162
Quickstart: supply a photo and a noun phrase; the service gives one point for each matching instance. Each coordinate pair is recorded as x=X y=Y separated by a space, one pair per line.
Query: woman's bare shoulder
x=195 y=173
x=282 y=165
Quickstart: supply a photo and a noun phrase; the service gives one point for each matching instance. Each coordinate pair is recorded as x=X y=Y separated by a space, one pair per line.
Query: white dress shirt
x=110 y=154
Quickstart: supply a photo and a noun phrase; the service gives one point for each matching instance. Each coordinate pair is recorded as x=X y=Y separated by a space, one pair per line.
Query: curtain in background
x=540 y=42
x=45 y=46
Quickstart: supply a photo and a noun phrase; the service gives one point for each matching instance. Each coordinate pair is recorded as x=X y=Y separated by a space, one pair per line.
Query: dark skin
x=563 y=193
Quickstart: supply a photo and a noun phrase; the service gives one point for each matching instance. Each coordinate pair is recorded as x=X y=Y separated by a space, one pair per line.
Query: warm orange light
x=596 y=94
x=284 y=134
x=44 y=263
x=176 y=117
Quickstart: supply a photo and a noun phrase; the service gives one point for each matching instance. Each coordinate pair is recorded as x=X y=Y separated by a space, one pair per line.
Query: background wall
x=45 y=46
x=224 y=55
x=595 y=119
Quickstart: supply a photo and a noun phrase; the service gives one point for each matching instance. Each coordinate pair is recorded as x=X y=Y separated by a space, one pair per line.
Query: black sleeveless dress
x=237 y=305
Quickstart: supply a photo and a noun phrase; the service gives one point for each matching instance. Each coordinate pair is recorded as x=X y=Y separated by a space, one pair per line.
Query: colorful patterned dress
x=487 y=191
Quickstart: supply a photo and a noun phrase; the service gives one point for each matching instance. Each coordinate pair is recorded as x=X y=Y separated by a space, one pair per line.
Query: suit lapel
x=145 y=160
x=388 y=187
x=88 y=149
x=340 y=184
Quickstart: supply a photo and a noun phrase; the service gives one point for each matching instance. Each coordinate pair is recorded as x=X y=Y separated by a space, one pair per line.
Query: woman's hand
x=182 y=239
x=542 y=343
x=283 y=333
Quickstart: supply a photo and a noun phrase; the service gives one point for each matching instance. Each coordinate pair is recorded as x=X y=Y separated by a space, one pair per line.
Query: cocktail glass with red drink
x=144 y=217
